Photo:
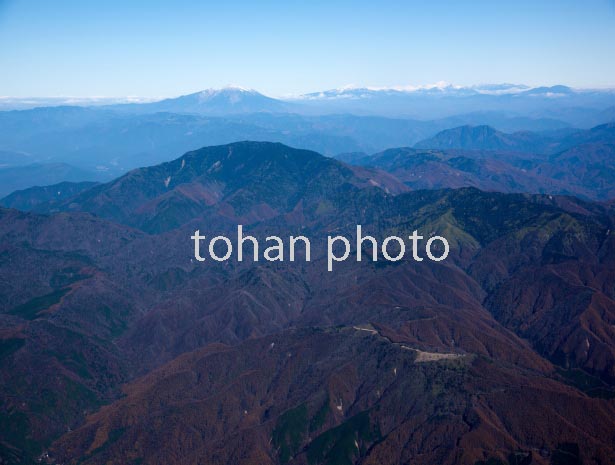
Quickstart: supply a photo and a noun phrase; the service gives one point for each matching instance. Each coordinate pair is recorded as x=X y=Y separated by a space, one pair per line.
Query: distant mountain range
x=575 y=107
x=579 y=163
x=103 y=139
x=49 y=145
x=213 y=102
x=564 y=162
x=484 y=138
x=581 y=108
x=487 y=138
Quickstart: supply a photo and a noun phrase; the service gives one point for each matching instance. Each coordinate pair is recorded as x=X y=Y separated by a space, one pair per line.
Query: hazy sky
x=154 y=48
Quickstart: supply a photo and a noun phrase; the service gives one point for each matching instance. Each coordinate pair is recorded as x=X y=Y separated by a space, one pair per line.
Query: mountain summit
x=483 y=138
x=225 y=101
x=244 y=182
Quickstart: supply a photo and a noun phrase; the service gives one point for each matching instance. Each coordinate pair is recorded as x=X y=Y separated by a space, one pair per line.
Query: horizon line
x=404 y=88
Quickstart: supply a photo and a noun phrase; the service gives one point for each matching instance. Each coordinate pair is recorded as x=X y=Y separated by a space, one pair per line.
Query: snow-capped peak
x=440 y=87
x=231 y=89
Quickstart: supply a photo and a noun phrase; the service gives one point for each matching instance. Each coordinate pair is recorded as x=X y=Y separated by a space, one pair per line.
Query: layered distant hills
x=579 y=163
x=484 y=137
x=118 y=347
x=108 y=142
x=104 y=139
x=576 y=107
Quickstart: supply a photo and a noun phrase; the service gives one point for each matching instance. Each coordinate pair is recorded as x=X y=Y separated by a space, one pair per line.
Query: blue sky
x=154 y=48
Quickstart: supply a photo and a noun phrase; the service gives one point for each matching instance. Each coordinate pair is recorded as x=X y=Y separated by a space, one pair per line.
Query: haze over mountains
x=579 y=163
x=570 y=161
x=104 y=141
x=577 y=107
